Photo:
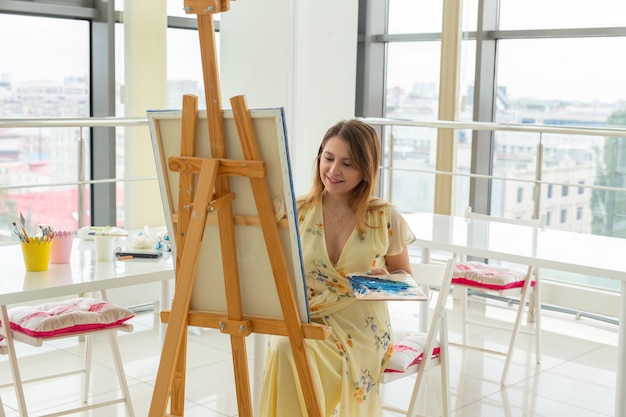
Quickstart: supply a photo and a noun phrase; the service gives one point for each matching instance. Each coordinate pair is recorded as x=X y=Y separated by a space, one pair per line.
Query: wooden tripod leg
x=213 y=95
x=177 y=324
x=234 y=304
x=208 y=51
x=286 y=297
x=189 y=136
x=215 y=118
x=188 y=139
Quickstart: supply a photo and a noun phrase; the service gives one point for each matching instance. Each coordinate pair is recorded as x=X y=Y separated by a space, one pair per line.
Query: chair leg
x=15 y=370
x=443 y=360
x=464 y=304
x=121 y=375
x=87 y=367
x=119 y=366
x=537 y=297
x=534 y=315
x=420 y=377
x=464 y=315
x=440 y=323
x=516 y=326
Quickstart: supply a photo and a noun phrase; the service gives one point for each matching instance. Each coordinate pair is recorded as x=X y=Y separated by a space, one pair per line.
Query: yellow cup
x=36 y=255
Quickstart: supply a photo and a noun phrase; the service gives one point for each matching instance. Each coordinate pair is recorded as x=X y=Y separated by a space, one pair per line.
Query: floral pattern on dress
x=387 y=357
x=332 y=284
x=316 y=230
x=325 y=286
x=381 y=340
x=363 y=386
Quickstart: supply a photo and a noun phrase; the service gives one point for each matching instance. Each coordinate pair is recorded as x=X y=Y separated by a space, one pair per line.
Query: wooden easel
x=204 y=196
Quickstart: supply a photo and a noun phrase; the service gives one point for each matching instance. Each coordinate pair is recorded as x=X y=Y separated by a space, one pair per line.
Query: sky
x=56 y=48
x=567 y=69
x=60 y=53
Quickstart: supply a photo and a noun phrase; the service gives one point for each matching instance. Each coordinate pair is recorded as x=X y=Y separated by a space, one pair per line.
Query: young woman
x=343 y=229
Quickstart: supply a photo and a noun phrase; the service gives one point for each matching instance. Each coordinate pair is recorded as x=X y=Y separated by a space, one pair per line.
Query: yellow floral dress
x=348 y=364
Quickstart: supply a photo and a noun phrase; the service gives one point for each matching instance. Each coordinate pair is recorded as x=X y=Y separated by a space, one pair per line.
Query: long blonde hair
x=364 y=146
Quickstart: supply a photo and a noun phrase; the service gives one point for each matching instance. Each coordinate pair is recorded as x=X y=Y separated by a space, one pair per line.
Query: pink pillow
x=408 y=351
x=478 y=274
x=70 y=316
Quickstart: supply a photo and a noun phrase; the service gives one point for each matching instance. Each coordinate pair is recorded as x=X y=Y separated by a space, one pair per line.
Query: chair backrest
x=435 y=275
x=431 y=275
x=539 y=223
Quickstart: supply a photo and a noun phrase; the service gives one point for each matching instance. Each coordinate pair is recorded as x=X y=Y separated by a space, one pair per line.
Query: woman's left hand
x=378 y=271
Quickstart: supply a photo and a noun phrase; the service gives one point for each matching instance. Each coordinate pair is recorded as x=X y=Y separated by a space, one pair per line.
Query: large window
x=59 y=62
x=44 y=73
x=564 y=82
x=548 y=63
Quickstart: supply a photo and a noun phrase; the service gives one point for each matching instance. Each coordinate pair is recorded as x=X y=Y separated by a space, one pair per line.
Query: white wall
x=145 y=25
x=296 y=54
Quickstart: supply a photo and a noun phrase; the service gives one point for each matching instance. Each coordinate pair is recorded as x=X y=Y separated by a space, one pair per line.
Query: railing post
x=81 y=179
x=538 y=178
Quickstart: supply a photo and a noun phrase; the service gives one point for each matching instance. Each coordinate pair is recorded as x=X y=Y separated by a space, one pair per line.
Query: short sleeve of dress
x=401 y=235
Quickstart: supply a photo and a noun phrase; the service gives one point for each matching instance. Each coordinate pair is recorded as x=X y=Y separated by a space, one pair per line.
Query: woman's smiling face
x=337 y=170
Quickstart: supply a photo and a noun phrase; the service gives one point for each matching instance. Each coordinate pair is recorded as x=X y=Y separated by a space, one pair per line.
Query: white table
x=579 y=253
x=82 y=275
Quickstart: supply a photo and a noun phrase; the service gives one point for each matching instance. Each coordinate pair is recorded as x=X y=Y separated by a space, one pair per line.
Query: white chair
x=428 y=276
x=55 y=323
x=502 y=280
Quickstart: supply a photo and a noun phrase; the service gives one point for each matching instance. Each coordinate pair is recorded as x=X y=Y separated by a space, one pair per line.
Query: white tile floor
x=576 y=377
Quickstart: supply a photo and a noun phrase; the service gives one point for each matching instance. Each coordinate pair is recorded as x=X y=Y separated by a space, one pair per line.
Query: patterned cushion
x=70 y=316
x=408 y=351
x=478 y=274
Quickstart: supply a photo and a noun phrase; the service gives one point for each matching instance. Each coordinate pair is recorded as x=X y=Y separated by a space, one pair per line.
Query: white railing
x=84 y=123
x=499 y=127
x=81 y=124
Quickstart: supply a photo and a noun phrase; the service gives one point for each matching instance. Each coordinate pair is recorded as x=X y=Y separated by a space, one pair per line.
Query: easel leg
x=176 y=330
x=189 y=136
x=177 y=398
x=188 y=140
x=262 y=198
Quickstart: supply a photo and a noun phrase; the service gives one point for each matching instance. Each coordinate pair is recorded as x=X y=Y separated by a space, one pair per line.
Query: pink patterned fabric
x=478 y=274
x=408 y=351
x=70 y=316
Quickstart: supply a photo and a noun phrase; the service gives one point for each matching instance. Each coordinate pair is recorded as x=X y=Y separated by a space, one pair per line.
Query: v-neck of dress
x=343 y=248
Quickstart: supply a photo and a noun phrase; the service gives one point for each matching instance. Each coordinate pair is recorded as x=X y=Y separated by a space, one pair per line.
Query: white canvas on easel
x=259 y=296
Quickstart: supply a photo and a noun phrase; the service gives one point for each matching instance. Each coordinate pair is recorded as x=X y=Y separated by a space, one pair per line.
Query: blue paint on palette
x=398 y=285
x=365 y=284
